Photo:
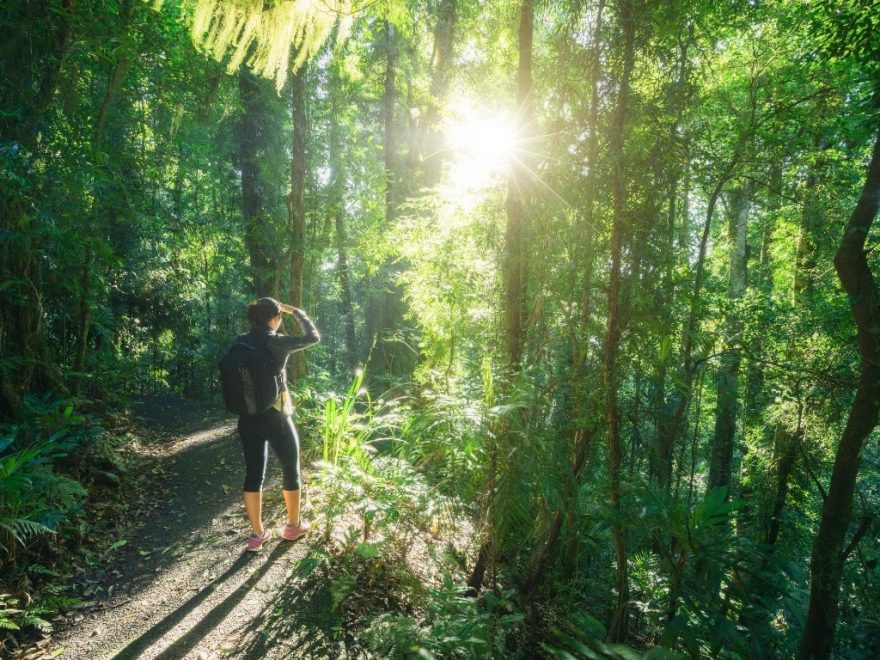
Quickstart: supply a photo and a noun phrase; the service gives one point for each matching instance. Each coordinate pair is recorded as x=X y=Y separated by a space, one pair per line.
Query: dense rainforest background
x=594 y=278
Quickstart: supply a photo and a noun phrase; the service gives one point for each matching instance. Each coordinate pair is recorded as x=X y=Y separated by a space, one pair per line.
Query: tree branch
x=864 y=526
x=812 y=474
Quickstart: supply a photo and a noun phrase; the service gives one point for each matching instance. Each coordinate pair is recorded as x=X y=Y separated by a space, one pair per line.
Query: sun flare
x=481 y=144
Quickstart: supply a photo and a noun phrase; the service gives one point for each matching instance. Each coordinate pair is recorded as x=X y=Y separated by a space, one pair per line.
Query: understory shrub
x=37 y=499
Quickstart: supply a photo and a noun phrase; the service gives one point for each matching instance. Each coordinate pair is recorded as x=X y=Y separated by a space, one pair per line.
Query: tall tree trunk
x=683 y=391
x=826 y=564
x=785 y=450
x=787 y=442
x=31 y=90
x=514 y=238
x=346 y=304
x=691 y=327
x=514 y=270
x=618 y=630
x=774 y=201
x=810 y=228
x=728 y=375
x=664 y=439
x=442 y=60
x=755 y=398
x=296 y=202
x=390 y=356
x=114 y=84
x=250 y=144
x=582 y=435
x=389 y=100
x=337 y=208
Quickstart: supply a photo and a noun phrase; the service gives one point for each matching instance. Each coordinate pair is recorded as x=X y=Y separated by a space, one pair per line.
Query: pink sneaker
x=293 y=532
x=255 y=542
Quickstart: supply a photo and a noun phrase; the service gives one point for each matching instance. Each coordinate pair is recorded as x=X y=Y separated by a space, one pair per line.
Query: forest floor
x=181 y=584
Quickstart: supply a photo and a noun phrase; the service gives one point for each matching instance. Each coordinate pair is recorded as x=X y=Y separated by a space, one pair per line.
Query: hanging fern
x=261 y=34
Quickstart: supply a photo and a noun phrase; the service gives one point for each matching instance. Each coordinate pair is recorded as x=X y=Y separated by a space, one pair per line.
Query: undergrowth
x=394 y=539
x=51 y=458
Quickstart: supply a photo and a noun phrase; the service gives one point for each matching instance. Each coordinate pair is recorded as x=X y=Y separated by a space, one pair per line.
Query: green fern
x=33 y=621
x=8 y=613
x=22 y=529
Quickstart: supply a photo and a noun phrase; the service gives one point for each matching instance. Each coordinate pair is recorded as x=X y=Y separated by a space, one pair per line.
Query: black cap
x=270 y=304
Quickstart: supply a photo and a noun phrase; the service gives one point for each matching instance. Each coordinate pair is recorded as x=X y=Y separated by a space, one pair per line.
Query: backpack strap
x=260 y=341
x=250 y=340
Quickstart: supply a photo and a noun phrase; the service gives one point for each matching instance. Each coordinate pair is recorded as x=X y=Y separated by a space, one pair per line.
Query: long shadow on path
x=190 y=527
x=300 y=620
x=211 y=619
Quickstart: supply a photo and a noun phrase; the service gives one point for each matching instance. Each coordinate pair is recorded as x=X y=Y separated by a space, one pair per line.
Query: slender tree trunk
x=811 y=228
x=785 y=451
x=635 y=443
x=514 y=240
x=250 y=145
x=664 y=439
x=442 y=61
x=754 y=398
x=826 y=564
x=346 y=304
x=691 y=328
x=386 y=309
x=695 y=436
x=683 y=390
x=590 y=189
x=114 y=84
x=296 y=201
x=618 y=629
x=338 y=185
x=786 y=442
x=389 y=100
x=581 y=436
x=774 y=201
x=728 y=376
x=662 y=425
x=514 y=274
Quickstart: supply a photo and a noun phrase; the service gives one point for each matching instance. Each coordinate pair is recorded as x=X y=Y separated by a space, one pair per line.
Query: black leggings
x=257 y=433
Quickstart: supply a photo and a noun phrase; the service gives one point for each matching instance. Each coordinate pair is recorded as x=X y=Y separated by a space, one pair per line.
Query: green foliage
x=127 y=256
x=358 y=481
x=7 y=613
x=581 y=636
x=710 y=590
x=456 y=625
x=343 y=436
x=15 y=615
x=34 y=497
x=40 y=504
x=444 y=437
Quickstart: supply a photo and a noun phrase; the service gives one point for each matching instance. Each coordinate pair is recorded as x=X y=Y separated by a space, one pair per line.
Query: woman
x=275 y=426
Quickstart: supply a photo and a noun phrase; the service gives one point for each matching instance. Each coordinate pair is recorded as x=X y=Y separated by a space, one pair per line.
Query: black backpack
x=250 y=379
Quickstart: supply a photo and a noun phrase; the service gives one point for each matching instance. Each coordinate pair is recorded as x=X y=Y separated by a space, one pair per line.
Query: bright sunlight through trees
x=482 y=143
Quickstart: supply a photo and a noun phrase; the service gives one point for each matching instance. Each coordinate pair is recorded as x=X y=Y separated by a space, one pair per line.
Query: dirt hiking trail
x=181 y=584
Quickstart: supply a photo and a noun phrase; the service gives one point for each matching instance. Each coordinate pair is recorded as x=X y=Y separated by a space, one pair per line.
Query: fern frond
x=22 y=529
